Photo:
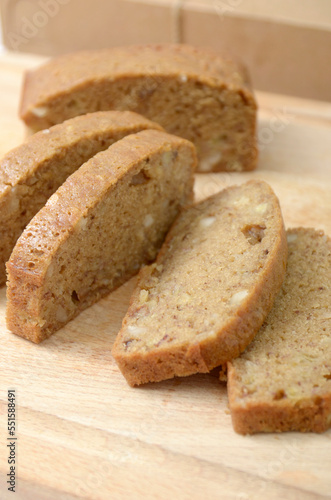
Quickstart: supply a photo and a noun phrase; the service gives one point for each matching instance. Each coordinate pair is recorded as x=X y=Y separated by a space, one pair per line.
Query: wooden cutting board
x=83 y=433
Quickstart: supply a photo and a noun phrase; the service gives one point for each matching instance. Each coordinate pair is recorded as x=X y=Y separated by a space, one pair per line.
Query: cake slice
x=282 y=382
x=207 y=295
x=31 y=173
x=192 y=92
x=101 y=225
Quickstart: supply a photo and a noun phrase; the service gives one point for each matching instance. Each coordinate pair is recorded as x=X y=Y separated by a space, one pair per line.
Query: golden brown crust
x=189 y=311
x=188 y=90
x=31 y=173
x=282 y=382
x=306 y=416
x=69 y=70
x=100 y=226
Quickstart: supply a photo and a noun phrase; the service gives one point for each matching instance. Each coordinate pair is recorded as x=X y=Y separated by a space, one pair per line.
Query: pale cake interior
x=216 y=273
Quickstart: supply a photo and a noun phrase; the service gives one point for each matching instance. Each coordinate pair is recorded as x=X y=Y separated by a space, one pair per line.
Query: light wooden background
x=286 y=44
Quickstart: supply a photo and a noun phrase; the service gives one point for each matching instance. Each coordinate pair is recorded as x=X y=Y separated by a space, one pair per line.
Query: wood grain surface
x=84 y=434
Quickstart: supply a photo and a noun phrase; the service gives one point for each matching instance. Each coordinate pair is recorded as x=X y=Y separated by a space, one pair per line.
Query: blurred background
x=286 y=44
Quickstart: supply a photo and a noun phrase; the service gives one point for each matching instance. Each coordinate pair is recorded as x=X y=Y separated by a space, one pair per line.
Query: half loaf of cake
x=207 y=295
x=282 y=381
x=192 y=92
x=101 y=225
x=32 y=172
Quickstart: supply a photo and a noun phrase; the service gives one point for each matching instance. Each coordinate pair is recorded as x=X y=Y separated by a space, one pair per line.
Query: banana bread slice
x=32 y=172
x=212 y=285
x=96 y=230
x=192 y=92
x=282 y=382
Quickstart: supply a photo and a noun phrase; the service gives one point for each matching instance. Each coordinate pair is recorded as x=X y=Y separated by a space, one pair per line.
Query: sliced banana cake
x=282 y=381
x=32 y=172
x=96 y=230
x=209 y=291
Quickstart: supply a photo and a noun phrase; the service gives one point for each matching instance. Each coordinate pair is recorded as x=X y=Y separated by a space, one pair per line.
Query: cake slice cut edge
x=213 y=283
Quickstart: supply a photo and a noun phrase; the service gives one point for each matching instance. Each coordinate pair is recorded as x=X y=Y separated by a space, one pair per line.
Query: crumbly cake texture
x=282 y=382
x=96 y=230
x=210 y=289
x=192 y=92
x=31 y=173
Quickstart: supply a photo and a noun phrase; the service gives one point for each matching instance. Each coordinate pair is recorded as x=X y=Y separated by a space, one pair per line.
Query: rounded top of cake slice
x=66 y=208
x=22 y=162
